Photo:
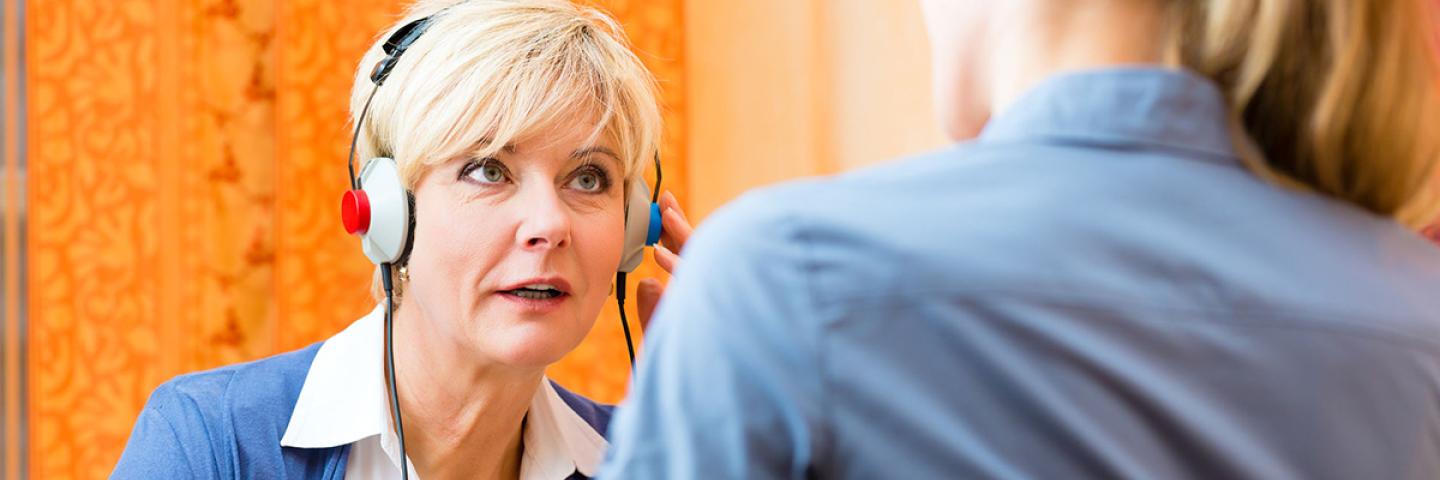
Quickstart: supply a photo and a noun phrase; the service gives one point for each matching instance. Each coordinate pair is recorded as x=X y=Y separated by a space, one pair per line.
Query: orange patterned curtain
x=184 y=164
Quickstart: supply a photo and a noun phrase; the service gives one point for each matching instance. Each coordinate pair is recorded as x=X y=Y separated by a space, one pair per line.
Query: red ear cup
x=355 y=212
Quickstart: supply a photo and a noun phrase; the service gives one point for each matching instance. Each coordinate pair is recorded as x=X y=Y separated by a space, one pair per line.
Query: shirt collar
x=343 y=398
x=557 y=441
x=1137 y=106
x=344 y=401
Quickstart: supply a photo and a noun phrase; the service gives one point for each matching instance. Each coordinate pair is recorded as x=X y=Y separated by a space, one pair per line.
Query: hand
x=674 y=233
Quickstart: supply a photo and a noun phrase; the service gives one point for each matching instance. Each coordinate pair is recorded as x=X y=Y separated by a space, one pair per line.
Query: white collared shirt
x=344 y=401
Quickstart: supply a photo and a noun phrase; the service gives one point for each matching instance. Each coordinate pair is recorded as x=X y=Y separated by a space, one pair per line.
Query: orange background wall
x=185 y=157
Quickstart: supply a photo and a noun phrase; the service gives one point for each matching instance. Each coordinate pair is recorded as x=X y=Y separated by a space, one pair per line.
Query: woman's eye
x=486 y=171
x=586 y=182
x=491 y=173
x=590 y=179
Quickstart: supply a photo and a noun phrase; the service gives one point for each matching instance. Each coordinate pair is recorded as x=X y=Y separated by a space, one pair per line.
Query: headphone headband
x=396 y=45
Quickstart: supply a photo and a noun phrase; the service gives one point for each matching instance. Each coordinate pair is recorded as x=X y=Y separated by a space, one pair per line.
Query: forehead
x=572 y=134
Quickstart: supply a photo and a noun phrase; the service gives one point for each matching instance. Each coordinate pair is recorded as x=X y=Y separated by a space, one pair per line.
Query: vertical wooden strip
x=171 y=302
x=278 y=145
x=282 y=144
x=9 y=416
x=229 y=179
x=20 y=277
x=13 y=458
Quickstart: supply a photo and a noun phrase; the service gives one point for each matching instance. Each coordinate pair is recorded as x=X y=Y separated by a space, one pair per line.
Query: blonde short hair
x=489 y=73
x=1339 y=97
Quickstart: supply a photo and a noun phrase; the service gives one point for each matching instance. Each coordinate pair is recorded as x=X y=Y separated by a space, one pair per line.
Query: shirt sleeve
x=728 y=385
x=161 y=445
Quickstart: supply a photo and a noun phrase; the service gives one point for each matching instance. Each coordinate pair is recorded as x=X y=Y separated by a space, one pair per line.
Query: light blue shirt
x=1095 y=288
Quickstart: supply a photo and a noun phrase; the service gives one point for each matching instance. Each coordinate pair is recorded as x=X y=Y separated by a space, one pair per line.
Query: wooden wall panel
x=152 y=203
x=102 y=126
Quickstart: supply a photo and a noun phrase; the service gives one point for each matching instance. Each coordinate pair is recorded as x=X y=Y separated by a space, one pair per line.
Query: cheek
x=598 y=244
x=451 y=248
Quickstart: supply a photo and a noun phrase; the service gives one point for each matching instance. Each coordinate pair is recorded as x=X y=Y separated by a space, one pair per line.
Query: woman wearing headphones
x=520 y=130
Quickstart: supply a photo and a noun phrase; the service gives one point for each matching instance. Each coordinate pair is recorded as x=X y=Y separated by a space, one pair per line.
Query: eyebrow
x=508 y=148
x=583 y=152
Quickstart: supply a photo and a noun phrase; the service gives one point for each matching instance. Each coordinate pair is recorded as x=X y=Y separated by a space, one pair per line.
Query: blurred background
x=172 y=170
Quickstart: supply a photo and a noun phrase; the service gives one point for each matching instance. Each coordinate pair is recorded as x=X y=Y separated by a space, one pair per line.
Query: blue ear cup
x=653 y=235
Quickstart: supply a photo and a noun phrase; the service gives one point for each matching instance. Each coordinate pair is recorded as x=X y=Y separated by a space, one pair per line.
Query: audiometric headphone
x=379 y=210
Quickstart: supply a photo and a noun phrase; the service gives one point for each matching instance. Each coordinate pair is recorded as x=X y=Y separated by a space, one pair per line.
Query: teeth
x=540 y=286
x=536 y=295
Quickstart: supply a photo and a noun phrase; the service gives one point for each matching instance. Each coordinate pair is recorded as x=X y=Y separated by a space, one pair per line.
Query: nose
x=544 y=222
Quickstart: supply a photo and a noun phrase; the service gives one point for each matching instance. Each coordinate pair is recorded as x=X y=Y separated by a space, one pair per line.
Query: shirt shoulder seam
x=174 y=434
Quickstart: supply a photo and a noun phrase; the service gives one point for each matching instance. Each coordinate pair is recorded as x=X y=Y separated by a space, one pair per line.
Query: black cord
x=620 y=301
x=359 y=122
x=655 y=194
x=390 y=366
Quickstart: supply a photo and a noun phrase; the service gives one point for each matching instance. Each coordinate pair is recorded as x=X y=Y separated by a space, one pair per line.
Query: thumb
x=647 y=296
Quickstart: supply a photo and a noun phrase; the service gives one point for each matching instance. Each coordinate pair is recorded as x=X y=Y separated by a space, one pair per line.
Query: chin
x=531 y=344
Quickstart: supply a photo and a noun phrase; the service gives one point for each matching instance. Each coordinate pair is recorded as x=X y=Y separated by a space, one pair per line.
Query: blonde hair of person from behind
x=1339 y=97
x=488 y=73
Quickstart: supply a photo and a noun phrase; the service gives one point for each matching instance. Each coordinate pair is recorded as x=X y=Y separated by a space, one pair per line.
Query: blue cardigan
x=227 y=423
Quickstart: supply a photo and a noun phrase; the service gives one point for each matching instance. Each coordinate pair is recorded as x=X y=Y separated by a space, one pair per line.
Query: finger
x=667 y=200
x=647 y=296
x=666 y=259
x=676 y=230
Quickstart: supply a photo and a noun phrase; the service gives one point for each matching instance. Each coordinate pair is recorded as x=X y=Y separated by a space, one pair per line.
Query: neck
x=462 y=419
x=1040 y=38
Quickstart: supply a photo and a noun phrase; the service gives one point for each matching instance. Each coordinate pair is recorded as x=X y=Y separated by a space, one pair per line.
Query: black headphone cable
x=620 y=301
x=390 y=366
